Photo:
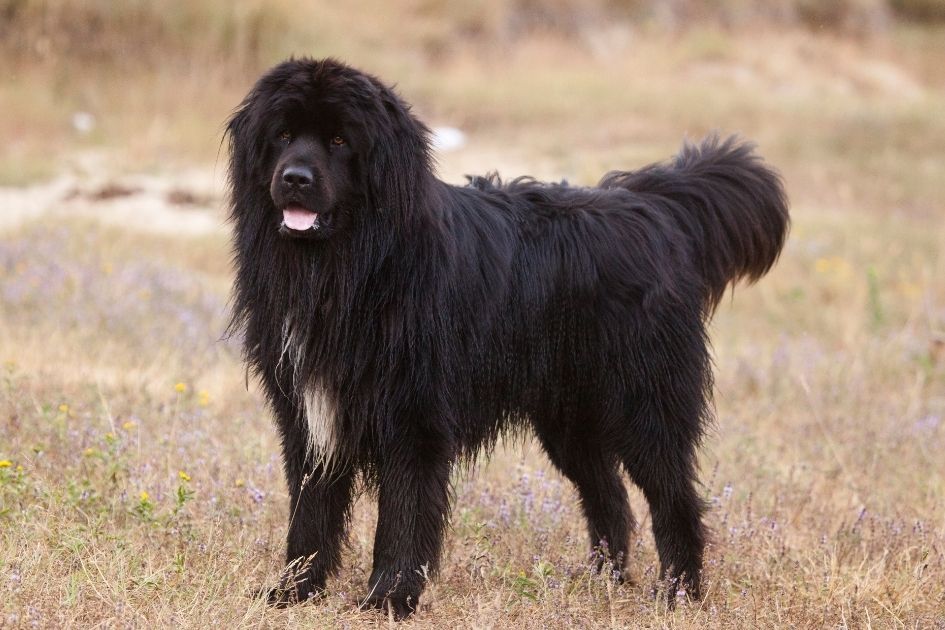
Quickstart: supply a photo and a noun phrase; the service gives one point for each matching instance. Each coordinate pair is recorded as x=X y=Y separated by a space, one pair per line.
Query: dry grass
x=825 y=469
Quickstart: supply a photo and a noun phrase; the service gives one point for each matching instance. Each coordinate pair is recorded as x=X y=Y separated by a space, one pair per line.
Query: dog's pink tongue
x=298 y=218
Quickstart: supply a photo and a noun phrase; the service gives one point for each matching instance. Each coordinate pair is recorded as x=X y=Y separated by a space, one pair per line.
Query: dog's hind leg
x=596 y=475
x=660 y=459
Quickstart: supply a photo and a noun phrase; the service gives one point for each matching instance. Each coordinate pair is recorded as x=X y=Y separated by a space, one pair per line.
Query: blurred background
x=125 y=420
x=616 y=81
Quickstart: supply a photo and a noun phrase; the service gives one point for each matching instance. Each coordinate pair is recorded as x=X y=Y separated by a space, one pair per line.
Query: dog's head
x=319 y=148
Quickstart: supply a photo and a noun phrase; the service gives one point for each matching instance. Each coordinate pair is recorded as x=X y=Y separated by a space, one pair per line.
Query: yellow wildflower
x=144 y=496
x=19 y=468
x=128 y=426
x=203 y=398
x=183 y=476
x=180 y=388
x=63 y=408
x=5 y=463
x=239 y=483
x=911 y=290
x=833 y=265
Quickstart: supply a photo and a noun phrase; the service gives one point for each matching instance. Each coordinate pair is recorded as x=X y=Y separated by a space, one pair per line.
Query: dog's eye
x=286 y=135
x=337 y=141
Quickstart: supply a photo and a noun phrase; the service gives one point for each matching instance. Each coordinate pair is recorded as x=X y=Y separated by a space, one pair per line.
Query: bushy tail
x=727 y=200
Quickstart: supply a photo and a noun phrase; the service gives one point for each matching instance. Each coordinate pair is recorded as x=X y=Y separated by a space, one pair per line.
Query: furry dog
x=399 y=324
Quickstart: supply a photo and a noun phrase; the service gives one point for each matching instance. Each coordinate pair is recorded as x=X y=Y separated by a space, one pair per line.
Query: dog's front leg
x=413 y=510
x=319 y=506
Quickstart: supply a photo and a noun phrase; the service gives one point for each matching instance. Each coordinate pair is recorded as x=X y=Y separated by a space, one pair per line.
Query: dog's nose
x=300 y=176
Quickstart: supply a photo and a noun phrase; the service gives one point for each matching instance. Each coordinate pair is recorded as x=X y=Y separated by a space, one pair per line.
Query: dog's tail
x=727 y=201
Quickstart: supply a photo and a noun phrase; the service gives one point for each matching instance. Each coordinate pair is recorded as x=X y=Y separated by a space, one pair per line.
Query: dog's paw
x=397 y=596
x=678 y=589
x=400 y=605
x=607 y=568
x=285 y=595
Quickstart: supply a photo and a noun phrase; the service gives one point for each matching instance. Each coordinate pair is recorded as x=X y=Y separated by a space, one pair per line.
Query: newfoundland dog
x=398 y=324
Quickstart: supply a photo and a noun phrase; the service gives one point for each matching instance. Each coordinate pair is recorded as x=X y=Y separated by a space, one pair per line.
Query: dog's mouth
x=299 y=221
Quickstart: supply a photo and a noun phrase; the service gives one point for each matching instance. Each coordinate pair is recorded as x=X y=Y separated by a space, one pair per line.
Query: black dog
x=399 y=324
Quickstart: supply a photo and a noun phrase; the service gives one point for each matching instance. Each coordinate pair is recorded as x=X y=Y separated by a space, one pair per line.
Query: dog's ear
x=398 y=163
x=246 y=136
x=243 y=137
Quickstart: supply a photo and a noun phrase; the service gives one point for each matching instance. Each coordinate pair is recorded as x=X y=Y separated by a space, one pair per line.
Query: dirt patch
x=190 y=204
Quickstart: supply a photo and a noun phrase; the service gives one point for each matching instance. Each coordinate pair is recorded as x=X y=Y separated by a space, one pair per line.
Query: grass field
x=140 y=479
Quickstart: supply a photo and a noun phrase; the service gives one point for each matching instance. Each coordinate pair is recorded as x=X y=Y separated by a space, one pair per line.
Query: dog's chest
x=319 y=411
x=320 y=416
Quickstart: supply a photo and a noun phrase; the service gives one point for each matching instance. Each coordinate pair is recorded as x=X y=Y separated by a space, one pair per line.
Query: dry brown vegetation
x=140 y=481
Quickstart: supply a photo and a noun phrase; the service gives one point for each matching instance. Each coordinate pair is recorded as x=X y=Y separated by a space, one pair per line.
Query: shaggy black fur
x=414 y=321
